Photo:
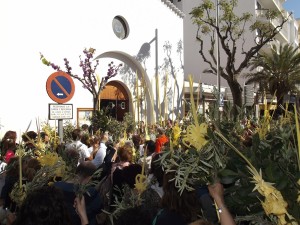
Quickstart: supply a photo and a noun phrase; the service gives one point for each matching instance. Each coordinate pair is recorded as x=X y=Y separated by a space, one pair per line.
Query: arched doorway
x=115 y=99
x=136 y=66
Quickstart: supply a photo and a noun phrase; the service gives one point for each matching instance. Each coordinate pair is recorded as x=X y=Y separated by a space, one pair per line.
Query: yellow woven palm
x=50 y=159
x=195 y=136
x=195 y=133
x=273 y=203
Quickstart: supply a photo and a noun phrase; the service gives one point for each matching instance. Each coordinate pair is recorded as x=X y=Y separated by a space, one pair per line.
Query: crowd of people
x=121 y=162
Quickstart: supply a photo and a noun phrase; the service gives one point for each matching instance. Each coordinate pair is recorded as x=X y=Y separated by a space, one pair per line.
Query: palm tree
x=279 y=71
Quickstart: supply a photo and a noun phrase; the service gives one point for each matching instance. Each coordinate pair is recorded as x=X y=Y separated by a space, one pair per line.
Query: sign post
x=60 y=88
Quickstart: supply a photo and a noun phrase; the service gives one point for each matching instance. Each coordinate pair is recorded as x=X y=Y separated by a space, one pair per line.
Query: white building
x=193 y=62
x=62 y=29
x=119 y=30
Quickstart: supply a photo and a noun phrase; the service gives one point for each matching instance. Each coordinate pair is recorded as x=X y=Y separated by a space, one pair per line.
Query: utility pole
x=218 y=62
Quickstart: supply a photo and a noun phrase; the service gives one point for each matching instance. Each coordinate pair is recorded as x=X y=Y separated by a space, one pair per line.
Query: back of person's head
x=71 y=157
x=156 y=169
x=30 y=135
x=85 y=139
x=43 y=206
x=150 y=147
x=76 y=134
x=184 y=204
x=44 y=135
x=94 y=139
x=135 y=216
x=104 y=137
x=10 y=135
x=85 y=169
x=160 y=130
x=136 y=139
x=85 y=127
x=125 y=154
x=33 y=165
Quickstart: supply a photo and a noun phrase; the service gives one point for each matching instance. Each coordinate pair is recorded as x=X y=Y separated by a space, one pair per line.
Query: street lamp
x=143 y=53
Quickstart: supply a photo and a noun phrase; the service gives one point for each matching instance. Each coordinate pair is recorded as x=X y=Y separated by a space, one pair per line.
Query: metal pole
x=218 y=62
x=60 y=130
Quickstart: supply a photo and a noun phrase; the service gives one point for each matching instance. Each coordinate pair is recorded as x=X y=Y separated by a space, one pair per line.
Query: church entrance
x=115 y=99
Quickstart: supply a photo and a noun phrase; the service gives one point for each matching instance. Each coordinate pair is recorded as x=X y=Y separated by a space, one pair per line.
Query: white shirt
x=100 y=155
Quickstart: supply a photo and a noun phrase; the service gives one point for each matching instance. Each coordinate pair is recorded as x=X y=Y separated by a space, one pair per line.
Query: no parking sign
x=60 y=87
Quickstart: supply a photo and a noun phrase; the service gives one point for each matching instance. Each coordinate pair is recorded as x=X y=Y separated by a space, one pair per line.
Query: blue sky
x=294 y=6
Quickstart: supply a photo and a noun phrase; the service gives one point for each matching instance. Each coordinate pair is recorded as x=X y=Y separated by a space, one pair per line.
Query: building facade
x=194 y=63
x=142 y=35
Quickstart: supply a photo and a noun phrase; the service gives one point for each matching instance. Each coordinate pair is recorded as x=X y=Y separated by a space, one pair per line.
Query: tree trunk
x=237 y=94
x=96 y=103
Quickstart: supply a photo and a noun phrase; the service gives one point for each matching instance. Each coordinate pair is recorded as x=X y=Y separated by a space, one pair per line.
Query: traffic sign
x=60 y=87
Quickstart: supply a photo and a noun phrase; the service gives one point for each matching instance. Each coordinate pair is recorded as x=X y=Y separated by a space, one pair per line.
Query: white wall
x=194 y=63
x=62 y=29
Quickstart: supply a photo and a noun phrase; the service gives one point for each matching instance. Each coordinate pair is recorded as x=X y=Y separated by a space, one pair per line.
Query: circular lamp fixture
x=120 y=27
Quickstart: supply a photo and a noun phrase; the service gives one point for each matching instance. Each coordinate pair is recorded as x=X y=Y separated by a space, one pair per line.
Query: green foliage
x=129 y=123
x=280 y=71
x=116 y=128
x=276 y=156
x=68 y=127
x=100 y=120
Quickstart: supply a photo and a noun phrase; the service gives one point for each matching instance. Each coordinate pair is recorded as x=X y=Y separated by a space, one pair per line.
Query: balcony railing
x=284 y=32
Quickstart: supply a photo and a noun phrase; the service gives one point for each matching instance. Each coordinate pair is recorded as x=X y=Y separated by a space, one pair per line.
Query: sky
x=293 y=6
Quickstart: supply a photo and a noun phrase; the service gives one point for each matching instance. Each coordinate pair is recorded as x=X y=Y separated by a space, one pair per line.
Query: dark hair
x=71 y=157
x=31 y=134
x=84 y=126
x=85 y=139
x=43 y=206
x=86 y=169
x=32 y=166
x=156 y=169
x=185 y=204
x=76 y=134
x=8 y=142
x=135 y=216
x=136 y=139
x=94 y=139
x=43 y=135
x=150 y=147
